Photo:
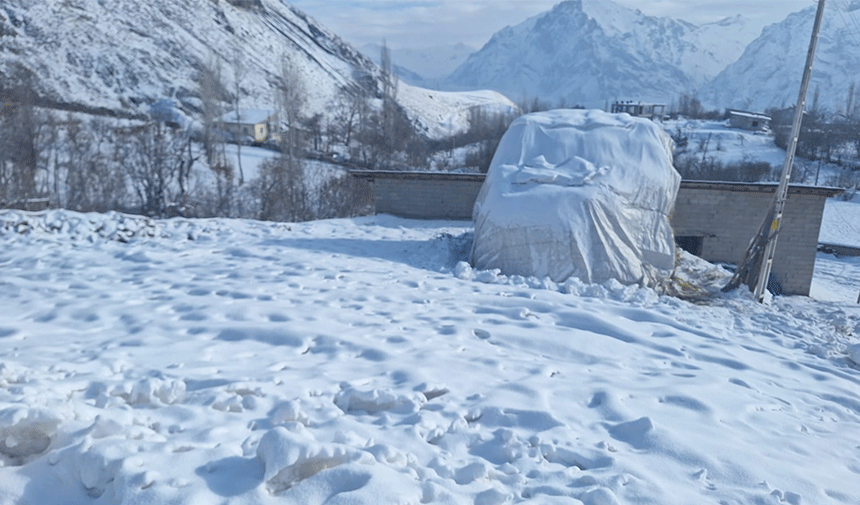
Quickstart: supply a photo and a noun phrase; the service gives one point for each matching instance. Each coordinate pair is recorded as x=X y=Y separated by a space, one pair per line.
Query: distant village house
x=652 y=111
x=750 y=121
x=258 y=124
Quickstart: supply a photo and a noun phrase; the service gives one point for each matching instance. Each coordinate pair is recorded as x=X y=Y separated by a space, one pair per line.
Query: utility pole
x=755 y=269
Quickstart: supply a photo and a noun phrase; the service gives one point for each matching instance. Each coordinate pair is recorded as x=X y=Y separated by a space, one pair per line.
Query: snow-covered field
x=356 y=362
x=838 y=278
x=717 y=141
x=840 y=224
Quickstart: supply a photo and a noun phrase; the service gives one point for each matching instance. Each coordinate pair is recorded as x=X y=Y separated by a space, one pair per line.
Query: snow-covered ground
x=840 y=224
x=838 y=278
x=442 y=114
x=355 y=361
x=716 y=140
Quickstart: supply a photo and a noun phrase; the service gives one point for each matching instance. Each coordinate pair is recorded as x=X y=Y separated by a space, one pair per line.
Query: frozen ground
x=356 y=362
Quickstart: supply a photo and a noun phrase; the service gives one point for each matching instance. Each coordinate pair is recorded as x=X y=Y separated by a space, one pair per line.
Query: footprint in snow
x=482 y=334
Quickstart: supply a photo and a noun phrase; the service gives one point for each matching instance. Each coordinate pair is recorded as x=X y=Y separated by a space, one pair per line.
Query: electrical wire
x=853 y=27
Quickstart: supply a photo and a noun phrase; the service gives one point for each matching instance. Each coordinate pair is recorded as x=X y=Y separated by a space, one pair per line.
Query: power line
x=853 y=27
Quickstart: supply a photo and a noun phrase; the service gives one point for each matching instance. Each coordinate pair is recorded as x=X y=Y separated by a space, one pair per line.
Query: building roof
x=762 y=187
x=751 y=115
x=735 y=187
x=248 y=116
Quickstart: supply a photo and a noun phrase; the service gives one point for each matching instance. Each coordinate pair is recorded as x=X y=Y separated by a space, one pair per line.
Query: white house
x=751 y=121
x=258 y=124
x=652 y=111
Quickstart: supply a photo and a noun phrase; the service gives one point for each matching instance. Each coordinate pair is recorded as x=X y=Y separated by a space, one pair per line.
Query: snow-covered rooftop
x=248 y=116
x=751 y=115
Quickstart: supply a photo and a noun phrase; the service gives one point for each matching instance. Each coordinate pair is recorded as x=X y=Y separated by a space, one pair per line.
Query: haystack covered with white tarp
x=574 y=193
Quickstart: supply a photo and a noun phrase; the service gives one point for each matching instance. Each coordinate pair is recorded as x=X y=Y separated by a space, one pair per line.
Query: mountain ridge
x=571 y=53
x=768 y=73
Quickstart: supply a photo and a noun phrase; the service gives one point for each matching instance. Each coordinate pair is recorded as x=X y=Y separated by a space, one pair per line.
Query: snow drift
x=579 y=194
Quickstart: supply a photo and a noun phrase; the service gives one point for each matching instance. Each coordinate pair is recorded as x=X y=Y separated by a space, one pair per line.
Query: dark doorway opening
x=692 y=245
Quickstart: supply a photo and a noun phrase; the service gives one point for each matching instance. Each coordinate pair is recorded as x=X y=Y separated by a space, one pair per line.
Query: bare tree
x=281 y=182
x=393 y=133
x=211 y=89
x=350 y=109
x=485 y=133
x=155 y=158
x=91 y=172
x=77 y=181
x=314 y=125
x=344 y=196
x=212 y=93
x=239 y=72
x=815 y=111
x=23 y=128
x=281 y=189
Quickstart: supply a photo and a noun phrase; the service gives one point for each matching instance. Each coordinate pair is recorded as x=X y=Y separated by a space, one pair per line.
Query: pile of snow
x=579 y=193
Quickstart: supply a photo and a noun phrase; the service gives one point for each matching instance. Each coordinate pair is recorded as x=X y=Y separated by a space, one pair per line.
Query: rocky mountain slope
x=768 y=73
x=593 y=51
x=124 y=55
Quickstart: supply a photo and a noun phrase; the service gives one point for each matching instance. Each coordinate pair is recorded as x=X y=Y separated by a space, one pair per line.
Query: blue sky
x=426 y=23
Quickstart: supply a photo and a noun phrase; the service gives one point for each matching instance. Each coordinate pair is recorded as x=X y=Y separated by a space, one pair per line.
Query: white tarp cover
x=579 y=193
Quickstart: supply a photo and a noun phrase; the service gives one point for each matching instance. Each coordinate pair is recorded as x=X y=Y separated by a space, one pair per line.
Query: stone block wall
x=424 y=195
x=724 y=215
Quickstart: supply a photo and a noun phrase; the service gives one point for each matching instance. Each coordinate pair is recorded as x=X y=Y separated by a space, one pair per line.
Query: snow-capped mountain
x=593 y=51
x=768 y=73
x=424 y=65
x=124 y=55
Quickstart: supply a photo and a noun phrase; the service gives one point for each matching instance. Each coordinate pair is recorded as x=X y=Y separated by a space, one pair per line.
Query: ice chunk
x=290 y=457
x=376 y=401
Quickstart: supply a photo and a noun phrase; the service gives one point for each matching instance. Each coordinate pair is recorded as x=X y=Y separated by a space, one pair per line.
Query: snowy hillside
x=351 y=361
x=768 y=73
x=589 y=52
x=444 y=112
x=126 y=54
